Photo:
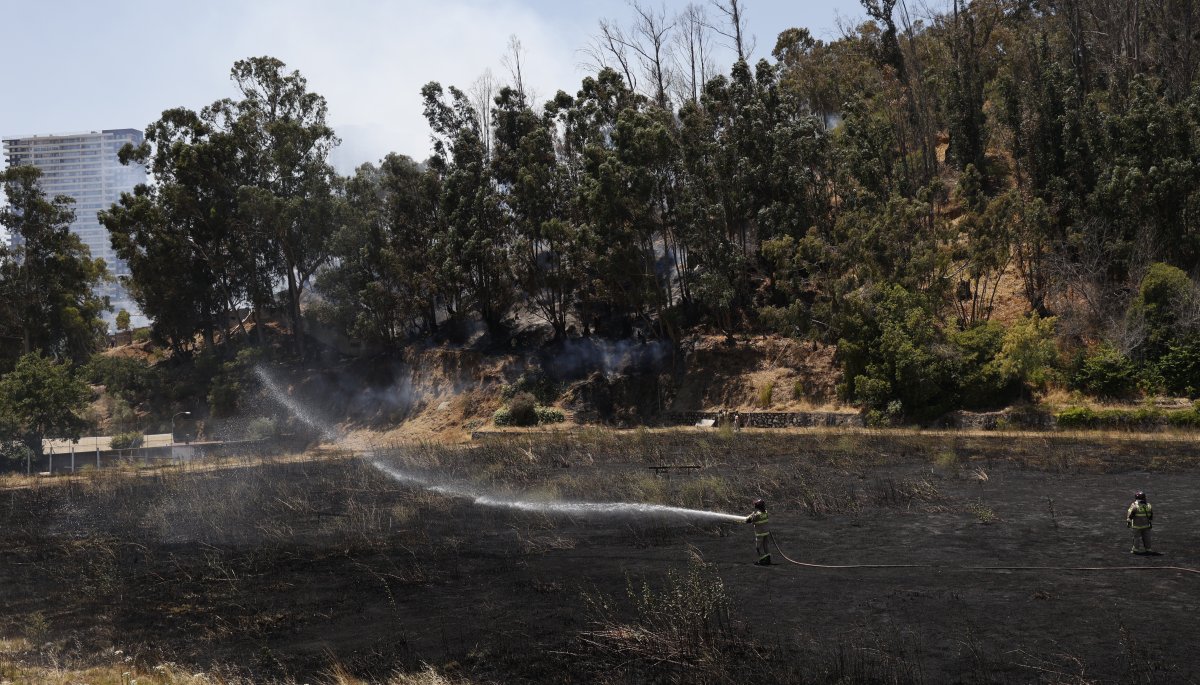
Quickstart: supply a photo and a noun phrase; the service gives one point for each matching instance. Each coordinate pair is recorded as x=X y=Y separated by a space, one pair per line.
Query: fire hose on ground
x=1180 y=569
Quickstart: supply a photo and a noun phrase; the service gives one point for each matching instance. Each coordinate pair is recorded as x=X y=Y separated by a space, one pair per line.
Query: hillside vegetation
x=969 y=207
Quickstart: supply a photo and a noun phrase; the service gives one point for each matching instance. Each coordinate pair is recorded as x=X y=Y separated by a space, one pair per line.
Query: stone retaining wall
x=998 y=420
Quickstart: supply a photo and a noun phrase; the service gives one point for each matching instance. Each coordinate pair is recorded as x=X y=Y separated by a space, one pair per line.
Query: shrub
x=1186 y=418
x=946 y=459
x=982 y=384
x=1076 y=417
x=681 y=629
x=1179 y=369
x=798 y=390
x=888 y=416
x=121 y=416
x=1028 y=352
x=124 y=441
x=873 y=392
x=983 y=513
x=522 y=410
x=549 y=414
x=141 y=335
x=502 y=417
x=894 y=349
x=260 y=428
x=1164 y=296
x=14 y=455
x=764 y=395
x=1105 y=372
x=707 y=492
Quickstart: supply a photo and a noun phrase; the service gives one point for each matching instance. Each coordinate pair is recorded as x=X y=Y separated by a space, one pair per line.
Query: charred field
x=322 y=568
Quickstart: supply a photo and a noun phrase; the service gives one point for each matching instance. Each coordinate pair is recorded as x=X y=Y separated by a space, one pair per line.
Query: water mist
x=485 y=499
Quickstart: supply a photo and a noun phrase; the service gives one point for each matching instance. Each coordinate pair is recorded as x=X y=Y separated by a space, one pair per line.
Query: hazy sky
x=78 y=65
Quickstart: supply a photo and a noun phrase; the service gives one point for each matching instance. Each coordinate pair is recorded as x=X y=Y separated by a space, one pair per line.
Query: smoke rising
x=576 y=358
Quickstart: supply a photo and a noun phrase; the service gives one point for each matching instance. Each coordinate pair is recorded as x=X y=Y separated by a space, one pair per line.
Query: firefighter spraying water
x=762 y=537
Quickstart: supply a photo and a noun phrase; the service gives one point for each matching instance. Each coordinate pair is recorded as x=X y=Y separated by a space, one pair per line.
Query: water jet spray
x=484 y=499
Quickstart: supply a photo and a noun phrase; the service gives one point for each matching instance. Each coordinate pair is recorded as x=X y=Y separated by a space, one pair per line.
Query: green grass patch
x=1141 y=418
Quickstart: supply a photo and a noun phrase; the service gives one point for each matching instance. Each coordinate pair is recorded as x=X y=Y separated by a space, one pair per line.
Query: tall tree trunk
x=294 y=312
x=258 y=323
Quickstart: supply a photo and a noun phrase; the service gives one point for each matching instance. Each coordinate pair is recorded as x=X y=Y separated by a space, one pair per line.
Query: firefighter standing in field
x=758 y=518
x=1140 y=518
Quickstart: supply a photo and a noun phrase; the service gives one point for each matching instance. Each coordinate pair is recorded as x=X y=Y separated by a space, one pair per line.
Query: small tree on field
x=41 y=398
x=122 y=320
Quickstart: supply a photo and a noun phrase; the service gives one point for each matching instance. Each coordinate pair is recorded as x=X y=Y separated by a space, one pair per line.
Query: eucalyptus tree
x=611 y=271
x=289 y=198
x=540 y=196
x=190 y=266
x=381 y=285
x=47 y=276
x=243 y=199
x=475 y=241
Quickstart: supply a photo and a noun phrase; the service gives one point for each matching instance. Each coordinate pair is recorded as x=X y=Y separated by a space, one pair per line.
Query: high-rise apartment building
x=85 y=167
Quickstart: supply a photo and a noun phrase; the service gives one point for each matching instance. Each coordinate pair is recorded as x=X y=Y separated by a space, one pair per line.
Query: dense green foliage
x=1105 y=372
x=47 y=276
x=883 y=192
x=124 y=441
x=41 y=398
x=243 y=198
x=736 y=207
x=129 y=378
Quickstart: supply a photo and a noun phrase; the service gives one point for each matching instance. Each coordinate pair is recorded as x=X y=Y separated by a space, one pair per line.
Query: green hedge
x=124 y=441
x=1127 y=419
x=1187 y=418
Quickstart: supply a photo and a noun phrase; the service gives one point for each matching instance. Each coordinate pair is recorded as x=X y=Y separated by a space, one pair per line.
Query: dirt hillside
x=444 y=393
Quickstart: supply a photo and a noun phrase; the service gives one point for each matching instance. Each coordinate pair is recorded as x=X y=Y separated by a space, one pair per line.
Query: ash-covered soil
x=281 y=571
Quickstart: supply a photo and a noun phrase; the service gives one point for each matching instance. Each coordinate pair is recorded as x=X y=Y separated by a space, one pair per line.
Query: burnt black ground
x=501 y=596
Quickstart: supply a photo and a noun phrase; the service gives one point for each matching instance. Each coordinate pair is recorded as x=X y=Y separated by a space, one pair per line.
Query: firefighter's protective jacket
x=759 y=519
x=1140 y=515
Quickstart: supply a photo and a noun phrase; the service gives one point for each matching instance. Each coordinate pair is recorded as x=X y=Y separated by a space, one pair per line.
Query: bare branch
x=650 y=43
x=691 y=53
x=734 y=12
x=512 y=61
x=482 y=93
x=609 y=50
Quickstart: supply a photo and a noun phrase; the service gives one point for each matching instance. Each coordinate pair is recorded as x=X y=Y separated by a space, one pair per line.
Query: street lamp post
x=185 y=414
